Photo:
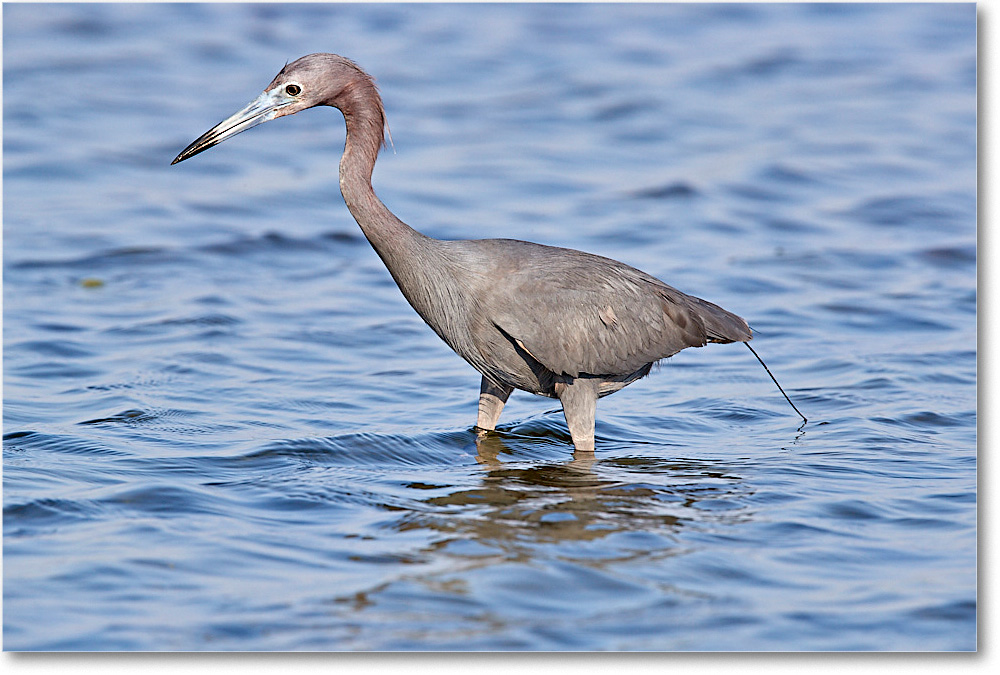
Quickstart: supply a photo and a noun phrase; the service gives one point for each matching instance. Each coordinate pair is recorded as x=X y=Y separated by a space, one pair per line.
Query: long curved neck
x=362 y=109
x=412 y=258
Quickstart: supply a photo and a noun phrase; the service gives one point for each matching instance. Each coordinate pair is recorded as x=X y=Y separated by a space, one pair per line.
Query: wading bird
x=551 y=321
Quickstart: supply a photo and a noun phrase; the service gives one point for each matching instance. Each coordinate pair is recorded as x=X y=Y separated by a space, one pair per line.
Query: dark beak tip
x=186 y=154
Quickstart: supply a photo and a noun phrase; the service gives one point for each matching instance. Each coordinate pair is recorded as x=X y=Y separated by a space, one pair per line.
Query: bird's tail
x=720 y=325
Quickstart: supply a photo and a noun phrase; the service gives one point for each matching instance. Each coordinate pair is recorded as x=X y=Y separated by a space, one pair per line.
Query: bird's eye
x=293 y=90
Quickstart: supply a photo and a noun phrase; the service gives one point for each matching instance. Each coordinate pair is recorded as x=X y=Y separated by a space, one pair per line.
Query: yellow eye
x=293 y=90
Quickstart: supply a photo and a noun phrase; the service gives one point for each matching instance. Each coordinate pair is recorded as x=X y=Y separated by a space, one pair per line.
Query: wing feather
x=580 y=313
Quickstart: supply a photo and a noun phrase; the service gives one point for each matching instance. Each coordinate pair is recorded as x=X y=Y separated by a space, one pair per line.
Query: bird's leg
x=491 y=402
x=579 y=401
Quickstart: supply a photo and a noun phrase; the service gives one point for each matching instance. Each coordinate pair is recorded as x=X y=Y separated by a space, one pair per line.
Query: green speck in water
x=91 y=283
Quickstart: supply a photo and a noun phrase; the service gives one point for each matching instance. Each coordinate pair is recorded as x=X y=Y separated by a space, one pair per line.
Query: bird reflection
x=519 y=502
x=490 y=444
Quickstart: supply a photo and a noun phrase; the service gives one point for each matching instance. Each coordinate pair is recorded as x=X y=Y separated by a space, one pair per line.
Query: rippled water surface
x=224 y=428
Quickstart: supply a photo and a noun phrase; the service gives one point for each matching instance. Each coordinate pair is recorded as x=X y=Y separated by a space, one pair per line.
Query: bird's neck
x=387 y=233
x=411 y=257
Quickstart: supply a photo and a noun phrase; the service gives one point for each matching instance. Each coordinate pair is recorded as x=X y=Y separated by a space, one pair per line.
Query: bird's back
x=578 y=313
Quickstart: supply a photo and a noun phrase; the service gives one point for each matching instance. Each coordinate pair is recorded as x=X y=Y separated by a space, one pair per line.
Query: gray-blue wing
x=579 y=313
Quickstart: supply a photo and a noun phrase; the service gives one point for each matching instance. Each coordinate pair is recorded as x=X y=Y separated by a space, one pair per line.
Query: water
x=226 y=430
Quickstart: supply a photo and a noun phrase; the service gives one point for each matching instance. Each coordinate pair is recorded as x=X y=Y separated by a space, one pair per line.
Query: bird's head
x=316 y=79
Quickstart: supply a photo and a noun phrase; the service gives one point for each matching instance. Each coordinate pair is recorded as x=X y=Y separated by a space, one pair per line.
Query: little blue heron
x=551 y=321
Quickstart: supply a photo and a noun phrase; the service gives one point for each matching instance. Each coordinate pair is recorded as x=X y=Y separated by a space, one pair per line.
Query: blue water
x=225 y=429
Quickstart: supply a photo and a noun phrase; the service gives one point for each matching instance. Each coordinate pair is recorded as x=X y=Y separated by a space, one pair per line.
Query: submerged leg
x=579 y=401
x=491 y=401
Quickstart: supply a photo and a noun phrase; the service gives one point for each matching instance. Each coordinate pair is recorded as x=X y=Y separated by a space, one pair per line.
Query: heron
x=551 y=321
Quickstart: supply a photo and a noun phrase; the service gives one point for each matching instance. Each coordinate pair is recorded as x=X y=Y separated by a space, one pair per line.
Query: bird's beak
x=262 y=109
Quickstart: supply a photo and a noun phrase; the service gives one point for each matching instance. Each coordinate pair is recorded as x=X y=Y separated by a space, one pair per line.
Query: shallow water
x=225 y=429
